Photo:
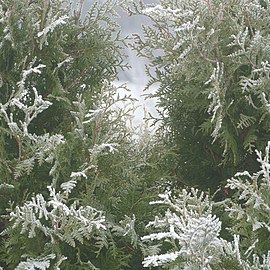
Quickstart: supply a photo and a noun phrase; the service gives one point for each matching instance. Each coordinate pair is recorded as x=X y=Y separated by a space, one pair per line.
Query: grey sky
x=134 y=77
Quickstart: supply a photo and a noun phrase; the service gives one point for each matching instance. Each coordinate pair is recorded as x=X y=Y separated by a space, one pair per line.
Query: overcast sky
x=134 y=77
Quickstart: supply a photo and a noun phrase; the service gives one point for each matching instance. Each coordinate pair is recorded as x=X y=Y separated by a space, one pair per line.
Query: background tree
x=76 y=182
x=72 y=176
x=188 y=235
x=210 y=61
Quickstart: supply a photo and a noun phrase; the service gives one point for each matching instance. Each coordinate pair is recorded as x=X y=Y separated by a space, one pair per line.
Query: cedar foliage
x=79 y=188
x=72 y=177
x=210 y=62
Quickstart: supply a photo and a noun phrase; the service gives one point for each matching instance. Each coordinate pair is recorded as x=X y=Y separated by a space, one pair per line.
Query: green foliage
x=249 y=209
x=191 y=232
x=72 y=174
x=78 y=184
x=210 y=60
x=187 y=234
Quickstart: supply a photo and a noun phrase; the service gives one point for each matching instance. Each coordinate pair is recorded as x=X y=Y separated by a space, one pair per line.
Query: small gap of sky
x=135 y=77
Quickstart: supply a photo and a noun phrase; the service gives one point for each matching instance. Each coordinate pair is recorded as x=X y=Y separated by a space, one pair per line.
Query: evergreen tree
x=210 y=62
x=72 y=176
x=79 y=187
x=186 y=234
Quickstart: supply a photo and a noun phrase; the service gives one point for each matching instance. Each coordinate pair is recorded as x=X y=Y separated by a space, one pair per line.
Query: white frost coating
x=6 y=186
x=83 y=86
x=244 y=173
x=68 y=186
x=16 y=102
x=156 y=10
x=67 y=60
x=30 y=111
x=252 y=206
x=78 y=174
x=59 y=216
x=82 y=173
x=188 y=225
x=165 y=197
x=51 y=27
x=217 y=94
x=159 y=236
x=157 y=260
x=265 y=101
x=211 y=32
x=189 y=25
x=161 y=12
x=265 y=68
x=93 y=114
x=37 y=263
x=111 y=147
x=27 y=72
x=179 y=44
